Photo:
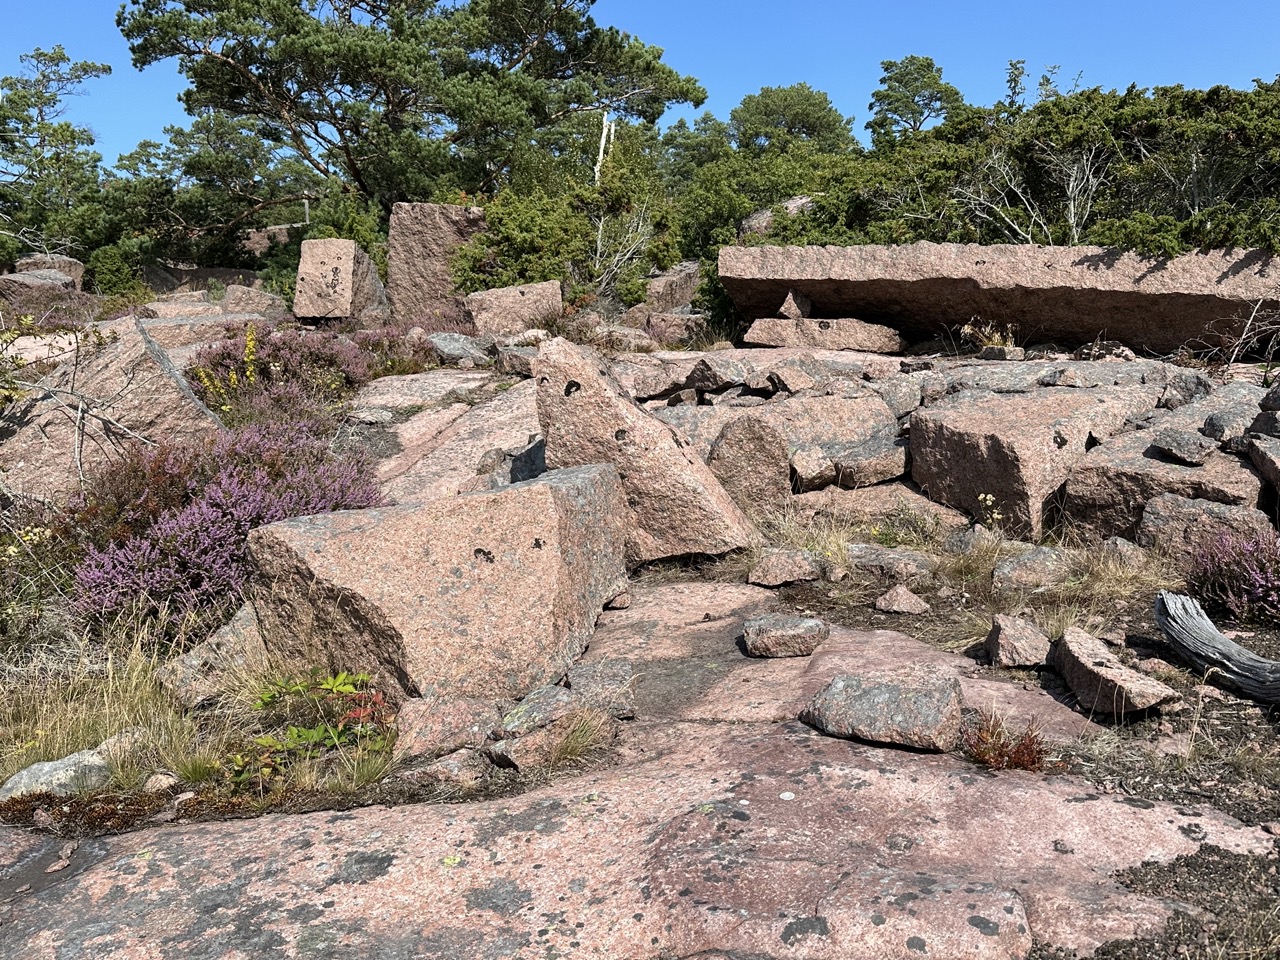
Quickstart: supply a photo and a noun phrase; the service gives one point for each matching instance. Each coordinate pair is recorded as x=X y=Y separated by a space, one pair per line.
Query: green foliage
x=113 y=271
x=403 y=101
x=913 y=94
x=790 y=118
x=314 y=718
x=48 y=173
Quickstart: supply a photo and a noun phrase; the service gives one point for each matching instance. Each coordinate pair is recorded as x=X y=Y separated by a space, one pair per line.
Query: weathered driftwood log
x=1199 y=642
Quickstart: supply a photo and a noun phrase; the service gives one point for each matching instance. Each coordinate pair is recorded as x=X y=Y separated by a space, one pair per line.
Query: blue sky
x=735 y=48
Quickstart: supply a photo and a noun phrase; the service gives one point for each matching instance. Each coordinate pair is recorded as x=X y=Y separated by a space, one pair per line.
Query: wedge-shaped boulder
x=94 y=407
x=1110 y=486
x=841 y=334
x=907 y=706
x=749 y=458
x=337 y=281
x=1100 y=681
x=675 y=504
x=1012 y=453
x=481 y=595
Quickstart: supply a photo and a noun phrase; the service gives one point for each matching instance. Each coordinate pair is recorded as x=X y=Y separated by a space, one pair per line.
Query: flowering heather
x=190 y=556
x=1239 y=575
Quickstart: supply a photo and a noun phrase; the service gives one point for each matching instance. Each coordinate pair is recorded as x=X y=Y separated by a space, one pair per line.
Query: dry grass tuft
x=987 y=741
x=584 y=733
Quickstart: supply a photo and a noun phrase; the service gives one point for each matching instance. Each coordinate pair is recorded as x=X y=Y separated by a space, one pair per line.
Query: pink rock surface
x=1070 y=294
x=422 y=241
x=767 y=840
x=1018 y=449
x=513 y=310
x=483 y=595
x=675 y=504
x=441 y=450
x=129 y=389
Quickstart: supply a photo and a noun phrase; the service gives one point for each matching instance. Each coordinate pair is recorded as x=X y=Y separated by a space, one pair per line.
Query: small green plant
x=987 y=741
x=314 y=719
x=216 y=290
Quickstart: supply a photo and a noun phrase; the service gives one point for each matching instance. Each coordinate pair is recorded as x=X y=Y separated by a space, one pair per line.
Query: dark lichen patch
x=988 y=928
x=805 y=927
x=504 y=897
x=916 y=944
x=362 y=866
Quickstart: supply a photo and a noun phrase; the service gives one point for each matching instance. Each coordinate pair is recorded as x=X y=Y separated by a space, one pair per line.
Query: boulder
x=80 y=772
x=749 y=458
x=675 y=504
x=1018 y=450
x=517 y=579
x=780 y=635
x=898 y=503
x=16 y=287
x=69 y=267
x=857 y=435
x=1175 y=525
x=1037 y=569
x=1109 y=486
x=241 y=299
x=835 y=334
x=440 y=451
x=420 y=247
x=513 y=310
x=779 y=566
x=890 y=563
x=761 y=221
x=92 y=408
x=1071 y=295
x=674 y=328
x=909 y=706
x=1014 y=642
x=338 y=281
x=459 y=349
x=1100 y=681
x=1184 y=446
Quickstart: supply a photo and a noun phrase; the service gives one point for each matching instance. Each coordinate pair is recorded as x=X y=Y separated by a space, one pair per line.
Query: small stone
x=1100 y=681
x=912 y=707
x=160 y=783
x=1037 y=569
x=1184 y=446
x=1225 y=425
x=1124 y=553
x=780 y=566
x=1014 y=642
x=813 y=469
x=463 y=769
x=779 y=635
x=796 y=306
x=901 y=600
x=621 y=602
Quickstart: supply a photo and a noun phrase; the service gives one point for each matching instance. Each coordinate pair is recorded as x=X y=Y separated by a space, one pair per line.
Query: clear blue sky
x=737 y=46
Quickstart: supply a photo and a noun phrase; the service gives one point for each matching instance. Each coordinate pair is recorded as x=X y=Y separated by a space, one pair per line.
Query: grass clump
x=987 y=740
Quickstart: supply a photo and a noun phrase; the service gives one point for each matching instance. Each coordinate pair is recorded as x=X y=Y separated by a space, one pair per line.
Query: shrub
x=113 y=271
x=176 y=549
x=1239 y=575
x=273 y=371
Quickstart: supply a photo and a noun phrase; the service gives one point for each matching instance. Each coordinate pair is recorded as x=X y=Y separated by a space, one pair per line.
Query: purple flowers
x=1238 y=574
x=191 y=557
